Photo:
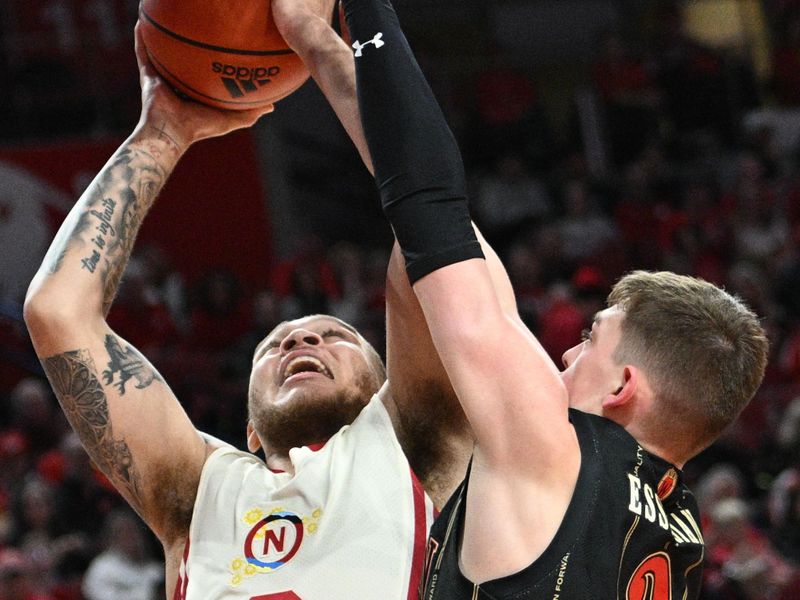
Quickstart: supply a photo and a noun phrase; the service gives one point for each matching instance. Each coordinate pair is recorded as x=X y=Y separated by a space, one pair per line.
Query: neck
x=670 y=457
x=278 y=460
x=664 y=449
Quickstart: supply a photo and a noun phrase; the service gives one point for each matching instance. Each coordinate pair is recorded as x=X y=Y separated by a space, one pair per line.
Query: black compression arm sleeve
x=418 y=166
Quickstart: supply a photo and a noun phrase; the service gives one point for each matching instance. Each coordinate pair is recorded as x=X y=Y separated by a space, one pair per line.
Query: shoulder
x=228 y=462
x=379 y=415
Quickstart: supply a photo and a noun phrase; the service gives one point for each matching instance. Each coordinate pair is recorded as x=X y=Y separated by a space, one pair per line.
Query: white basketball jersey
x=350 y=524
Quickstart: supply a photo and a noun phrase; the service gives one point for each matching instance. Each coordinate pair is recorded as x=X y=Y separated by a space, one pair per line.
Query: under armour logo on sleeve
x=376 y=41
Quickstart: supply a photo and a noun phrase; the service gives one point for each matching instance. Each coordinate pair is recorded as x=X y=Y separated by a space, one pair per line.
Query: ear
x=253 y=441
x=626 y=392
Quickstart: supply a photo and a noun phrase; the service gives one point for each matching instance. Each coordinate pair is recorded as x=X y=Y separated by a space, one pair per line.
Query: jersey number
x=652 y=579
x=278 y=596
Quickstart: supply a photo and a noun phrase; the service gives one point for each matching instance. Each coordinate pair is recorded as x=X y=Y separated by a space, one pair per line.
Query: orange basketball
x=222 y=53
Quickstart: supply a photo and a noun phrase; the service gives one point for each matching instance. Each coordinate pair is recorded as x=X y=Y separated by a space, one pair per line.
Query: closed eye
x=264 y=349
x=586 y=335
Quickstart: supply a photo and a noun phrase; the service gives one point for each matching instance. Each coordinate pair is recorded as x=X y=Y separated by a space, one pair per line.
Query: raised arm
x=439 y=438
x=527 y=456
x=431 y=423
x=470 y=312
x=127 y=418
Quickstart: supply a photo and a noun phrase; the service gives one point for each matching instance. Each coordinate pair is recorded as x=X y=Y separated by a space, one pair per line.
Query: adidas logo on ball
x=243 y=80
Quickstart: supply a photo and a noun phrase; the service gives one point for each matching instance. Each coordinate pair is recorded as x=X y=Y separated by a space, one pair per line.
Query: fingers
x=249 y=117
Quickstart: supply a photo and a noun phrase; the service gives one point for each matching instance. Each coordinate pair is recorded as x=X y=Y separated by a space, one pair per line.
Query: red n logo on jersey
x=283 y=534
x=271 y=538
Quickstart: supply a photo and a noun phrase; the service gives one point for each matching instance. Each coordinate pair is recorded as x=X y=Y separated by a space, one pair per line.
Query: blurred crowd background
x=599 y=136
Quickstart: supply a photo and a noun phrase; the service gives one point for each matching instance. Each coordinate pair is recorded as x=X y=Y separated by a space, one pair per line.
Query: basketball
x=224 y=54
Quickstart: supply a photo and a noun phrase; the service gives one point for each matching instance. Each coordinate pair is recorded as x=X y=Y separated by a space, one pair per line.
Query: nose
x=569 y=356
x=300 y=337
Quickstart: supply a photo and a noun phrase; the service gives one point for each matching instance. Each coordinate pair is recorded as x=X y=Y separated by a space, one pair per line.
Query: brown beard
x=308 y=419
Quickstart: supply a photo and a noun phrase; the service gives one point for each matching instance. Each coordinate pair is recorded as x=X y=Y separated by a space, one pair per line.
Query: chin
x=308 y=415
x=307 y=392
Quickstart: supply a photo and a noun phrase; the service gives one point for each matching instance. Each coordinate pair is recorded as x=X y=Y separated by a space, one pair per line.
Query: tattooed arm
x=126 y=416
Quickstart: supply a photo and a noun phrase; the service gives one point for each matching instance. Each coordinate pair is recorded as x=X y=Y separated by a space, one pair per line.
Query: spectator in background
x=696 y=238
x=720 y=482
x=786 y=61
x=508 y=117
x=637 y=213
x=525 y=273
x=35 y=528
x=140 y=311
x=692 y=78
x=571 y=310
x=783 y=511
x=72 y=557
x=17 y=581
x=33 y=414
x=740 y=562
x=347 y=263
x=508 y=199
x=305 y=283
x=15 y=463
x=16 y=355
x=759 y=227
x=788 y=435
x=124 y=571
x=585 y=230
x=265 y=311
x=219 y=315
x=76 y=485
x=372 y=320
x=629 y=97
x=167 y=283
x=789 y=352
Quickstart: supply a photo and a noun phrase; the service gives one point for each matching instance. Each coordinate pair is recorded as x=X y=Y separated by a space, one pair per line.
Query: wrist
x=162 y=139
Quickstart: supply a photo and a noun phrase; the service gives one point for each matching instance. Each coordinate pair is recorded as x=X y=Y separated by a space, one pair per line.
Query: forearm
x=83 y=267
x=330 y=62
x=335 y=74
x=417 y=162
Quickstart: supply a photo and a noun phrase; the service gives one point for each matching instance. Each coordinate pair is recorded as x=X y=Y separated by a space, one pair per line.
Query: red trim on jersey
x=420 y=538
x=183 y=582
x=313 y=447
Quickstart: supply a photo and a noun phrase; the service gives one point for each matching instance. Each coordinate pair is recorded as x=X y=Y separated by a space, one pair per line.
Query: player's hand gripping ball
x=222 y=53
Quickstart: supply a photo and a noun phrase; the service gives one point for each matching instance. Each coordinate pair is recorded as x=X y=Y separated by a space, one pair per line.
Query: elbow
x=39 y=313
x=45 y=313
x=35 y=307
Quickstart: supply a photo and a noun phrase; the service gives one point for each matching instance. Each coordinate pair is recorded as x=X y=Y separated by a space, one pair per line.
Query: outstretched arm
x=429 y=419
x=128 y=420
x=527 y=456
x=419 y=172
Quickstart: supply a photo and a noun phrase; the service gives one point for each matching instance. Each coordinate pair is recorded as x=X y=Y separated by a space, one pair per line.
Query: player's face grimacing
x=310 y=377
x=590 y=372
